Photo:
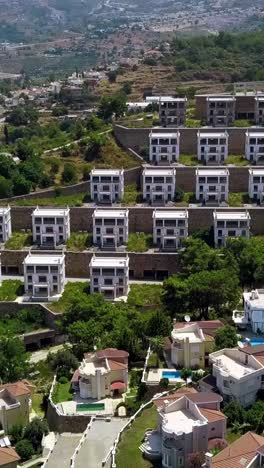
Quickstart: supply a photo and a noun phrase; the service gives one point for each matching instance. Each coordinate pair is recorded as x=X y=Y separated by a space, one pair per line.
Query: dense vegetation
x=228 y=57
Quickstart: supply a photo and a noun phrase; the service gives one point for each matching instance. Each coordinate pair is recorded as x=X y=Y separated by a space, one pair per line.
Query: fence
x=144 y=375
x=83 y=438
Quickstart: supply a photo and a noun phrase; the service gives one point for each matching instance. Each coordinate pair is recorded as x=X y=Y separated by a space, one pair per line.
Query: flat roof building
x=159 y=185
x=212 y=185
x=107 y=185
x=109 y=276
x=254 y=148
x=164 y=148
x=230 y=224
x=256 y=185
x=5 y=224
x=170 y=228
x=212 y=147
x=220 y=110
x=172 y=111
x=44 y=276
x=110 y=228
x=50 y=226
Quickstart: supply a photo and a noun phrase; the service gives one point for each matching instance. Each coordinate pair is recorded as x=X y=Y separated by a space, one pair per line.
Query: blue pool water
x=255 y=341
x=171 y=374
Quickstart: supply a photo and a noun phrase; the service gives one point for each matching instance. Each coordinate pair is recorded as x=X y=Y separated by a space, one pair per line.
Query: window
x=55 y=278
x=42 y=279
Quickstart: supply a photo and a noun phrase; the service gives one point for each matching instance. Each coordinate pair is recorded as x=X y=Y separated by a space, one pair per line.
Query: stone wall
x=12 y=309
x=60 y=423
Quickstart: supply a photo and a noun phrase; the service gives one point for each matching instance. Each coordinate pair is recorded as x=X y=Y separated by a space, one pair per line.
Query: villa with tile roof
x=15 y=402
x=187 y=421
x=101 y=374
x=247 y=452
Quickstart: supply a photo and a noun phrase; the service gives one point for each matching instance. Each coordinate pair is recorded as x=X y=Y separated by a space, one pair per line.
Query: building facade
x=159 y=185
x=212 y=147
x=212 y=185
x=256 y=185
x=107 y=185
x=44 y=276
x=15 y=404
x=221 y=110
x=253 y=314
x=172 y=111
x=5 y=224
x=109 y=276
x=170 y=228
x=164 y=148
x=254 y=149
x=50 y=227
x=230 y=224
x=110 y=228
x=259 y=110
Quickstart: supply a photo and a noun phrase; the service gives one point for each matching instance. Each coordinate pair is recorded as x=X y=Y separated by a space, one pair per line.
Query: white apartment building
x=212 y=185
x=170 y=228
x=255 y=147
x=5 y=224
x=110 y=228
x=44 y=276
x=253 y=314
x=164 y=148
x=230 y=224
x=109 y=276
x=107 y=185
x=259 y=110
x=159 y=185
x=220 y=110
x=212 y=148
x=172 y=111
x=50 y=226
x=238 y=373
x=256 y=185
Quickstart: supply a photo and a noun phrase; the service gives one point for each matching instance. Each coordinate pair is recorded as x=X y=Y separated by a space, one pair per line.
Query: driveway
x=63 y=451
x=98 y=442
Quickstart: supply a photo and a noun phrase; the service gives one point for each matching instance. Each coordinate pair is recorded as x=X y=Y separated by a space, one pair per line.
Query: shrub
x=179 y=194
x=25 y=449
x=35 y=430
x=69 y=175
x=63 y=380
x=164 y=383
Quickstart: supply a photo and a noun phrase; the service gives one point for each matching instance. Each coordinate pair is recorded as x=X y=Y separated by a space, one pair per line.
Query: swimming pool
x=254 y=341
x=171 y=374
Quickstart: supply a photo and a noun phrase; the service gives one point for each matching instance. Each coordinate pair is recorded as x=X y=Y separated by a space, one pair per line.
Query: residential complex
x=15 y=403
x=170 y=228
x=220 y=110
x=253 y=314
x=107 y=185
x=230 y=224
x=212 y=185
x=191 y=343
x=259 y=110
x=172 y=111
x=110 y=228
x=212 y=148
x=256 y=185
x=164 y=148
x=239 y=373
x=50 y=227
x=254 y=149
x=44 y=276
x=5 y=224
x=159 y=185
x=109 y=276
x=102 y=374
x=187 y=421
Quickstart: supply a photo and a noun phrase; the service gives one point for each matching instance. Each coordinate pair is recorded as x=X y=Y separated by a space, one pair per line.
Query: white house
x=50 y=226
x=44 y=276
x=212 y=185
x=253 y=314
x=5 y=223
x=256 y=185
x=220 y=110
x=172 y=111
x=110 y=228
x=239 y=373
x=254 y=149
x=230 y=224
x=259 y=110
x=164 y=148
x=170 y=228
x=109 y=276
x=159 y=185
x=212 y=148
x=107 y=185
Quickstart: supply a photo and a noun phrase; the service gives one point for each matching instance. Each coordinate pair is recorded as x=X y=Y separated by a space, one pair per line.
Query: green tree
x=94 y=147
x=21 y=185
x=69 y=175
x=6 y=135
x=24 y=151
x=186 y=374
x=127 y=88
x=6 y=188
x=64 y=362
x=14 y=363
x=158 y=324
x=225 y=337
x=112 y=106
x=25 y=449
x=234 y=412
x=112 y=76
x=16 y=433
x=34 y=432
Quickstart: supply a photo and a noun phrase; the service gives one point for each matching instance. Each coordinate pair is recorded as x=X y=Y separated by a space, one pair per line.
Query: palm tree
x=157 y=345
x=186 y=374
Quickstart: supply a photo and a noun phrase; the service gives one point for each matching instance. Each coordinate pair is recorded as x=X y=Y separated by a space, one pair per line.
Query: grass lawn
x=18 y=241
x=232 y=436
x=26 y=320
x=128 y=453
x=71 y=291
x=43 y=380
x=242 y=123
x=79 y=241
x=155 y=361
x=37 y=406
x=131 y=196
x=193 y=123
x=62 y=392
x=189 y=159
x=238 y=199
x=145 y=294
x=11 y=289
x=63 y=200
x=139 y=242
x=237 y=160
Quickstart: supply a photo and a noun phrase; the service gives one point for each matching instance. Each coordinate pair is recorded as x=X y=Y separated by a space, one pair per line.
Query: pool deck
x=155 y=375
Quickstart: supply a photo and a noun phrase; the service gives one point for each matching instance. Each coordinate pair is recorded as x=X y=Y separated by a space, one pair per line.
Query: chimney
x=208 y=460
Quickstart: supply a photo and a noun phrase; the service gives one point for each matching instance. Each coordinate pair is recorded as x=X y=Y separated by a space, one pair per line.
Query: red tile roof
x=17 y=389
x=212 y=415
x=115 y=365
x=111 y=353
x=207 y=326
x=117 y=385
x=239 y=453
x=8 y=455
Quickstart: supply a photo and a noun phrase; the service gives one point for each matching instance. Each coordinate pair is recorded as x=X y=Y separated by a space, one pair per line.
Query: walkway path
x=64 y=450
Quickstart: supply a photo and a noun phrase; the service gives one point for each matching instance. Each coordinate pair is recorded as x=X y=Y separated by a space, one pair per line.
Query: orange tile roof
x=239 y=453
x=212 y=415
x=115 y=365
x=175 y=396
x=8 y=455
x=17 y=389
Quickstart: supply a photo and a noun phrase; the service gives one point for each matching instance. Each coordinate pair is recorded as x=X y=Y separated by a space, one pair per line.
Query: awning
x=117 y=386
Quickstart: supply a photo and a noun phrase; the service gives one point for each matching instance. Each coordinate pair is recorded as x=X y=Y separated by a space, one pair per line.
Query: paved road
x=42 y=354
x=64 y=450
x=98 y=443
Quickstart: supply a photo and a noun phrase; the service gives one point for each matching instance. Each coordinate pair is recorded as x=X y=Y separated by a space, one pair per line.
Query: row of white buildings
x=212 y=147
